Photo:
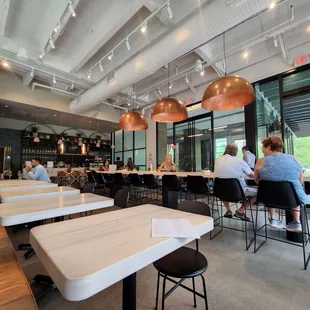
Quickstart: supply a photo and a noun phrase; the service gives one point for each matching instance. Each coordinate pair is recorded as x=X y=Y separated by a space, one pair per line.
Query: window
x=220 y=145
x=240 y=143
x=130 y=144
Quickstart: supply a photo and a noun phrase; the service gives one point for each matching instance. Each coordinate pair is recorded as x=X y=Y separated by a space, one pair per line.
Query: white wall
x=12 y=89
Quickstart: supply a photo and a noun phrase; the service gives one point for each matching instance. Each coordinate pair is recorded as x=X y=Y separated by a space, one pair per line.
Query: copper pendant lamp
x=169 y=110
x=133 y=121
x=228 y=93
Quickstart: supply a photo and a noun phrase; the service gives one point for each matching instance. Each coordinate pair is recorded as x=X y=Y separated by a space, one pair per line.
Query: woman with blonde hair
x=167 y=165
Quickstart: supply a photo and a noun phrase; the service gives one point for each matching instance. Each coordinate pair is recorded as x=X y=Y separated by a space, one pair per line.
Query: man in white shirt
x=231 y=167
x=39 y=174
x=248 y=157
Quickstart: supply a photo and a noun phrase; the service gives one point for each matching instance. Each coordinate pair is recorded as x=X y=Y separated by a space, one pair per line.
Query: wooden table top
x=86 y=255
x=14 y=213
x=15 y=186
x=26 y=194
x=181 y=174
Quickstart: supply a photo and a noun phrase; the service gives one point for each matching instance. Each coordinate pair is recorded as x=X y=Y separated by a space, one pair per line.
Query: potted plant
x=79 y=138
x=35 y=131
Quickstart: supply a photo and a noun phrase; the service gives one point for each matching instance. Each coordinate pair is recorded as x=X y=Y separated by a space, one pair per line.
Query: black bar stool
x=138 y=188
x=171 y=190
x=197 y=186
x=281 y=195
x=230 y=190
x=184 y=263
x=152 y=189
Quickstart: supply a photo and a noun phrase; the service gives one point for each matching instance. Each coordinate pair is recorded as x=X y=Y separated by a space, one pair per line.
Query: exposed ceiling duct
x=218 y=18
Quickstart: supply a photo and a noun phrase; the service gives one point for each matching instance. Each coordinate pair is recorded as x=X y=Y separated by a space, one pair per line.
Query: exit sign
x=299 y=61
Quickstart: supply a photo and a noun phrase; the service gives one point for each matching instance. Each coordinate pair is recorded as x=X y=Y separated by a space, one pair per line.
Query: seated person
x=119 y=163
x=167 y=165
x=229 y=166
x=130 y=164
x=276 y=166
x=39 y=173
x=248 y=157
x=106 y=165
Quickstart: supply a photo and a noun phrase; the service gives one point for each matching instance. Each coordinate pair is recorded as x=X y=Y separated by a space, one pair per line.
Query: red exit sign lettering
x=301 y=60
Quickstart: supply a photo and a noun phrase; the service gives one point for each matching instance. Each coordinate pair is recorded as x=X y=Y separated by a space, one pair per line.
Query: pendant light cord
x=224 y=47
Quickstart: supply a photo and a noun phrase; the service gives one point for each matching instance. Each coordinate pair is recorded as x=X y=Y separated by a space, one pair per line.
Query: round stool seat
x=182 y=263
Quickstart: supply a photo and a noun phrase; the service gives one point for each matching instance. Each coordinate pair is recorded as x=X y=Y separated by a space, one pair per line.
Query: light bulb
x=71 y=9
x=202 y=73
x=245 y=54
x=127 y=44
x=89 y=75
x=170 y=85
x=5 y=63
x=169 y=11
x=111 y=55
x=272 y=5
x=144 y=28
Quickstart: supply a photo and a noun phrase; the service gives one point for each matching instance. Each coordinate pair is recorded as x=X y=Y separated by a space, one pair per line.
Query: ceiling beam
x=106 y=27
x=27 y=78
x=64 y=18
x=4 y=8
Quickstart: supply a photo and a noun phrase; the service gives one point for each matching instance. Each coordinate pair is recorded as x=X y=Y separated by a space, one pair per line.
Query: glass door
x=193 y=143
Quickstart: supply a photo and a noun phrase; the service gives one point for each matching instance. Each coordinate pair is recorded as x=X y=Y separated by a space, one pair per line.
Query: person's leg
x=296 y=215
x=274 y=222
x=251 y=194
x=226 y=204
x=295 y=226
x=272 y=213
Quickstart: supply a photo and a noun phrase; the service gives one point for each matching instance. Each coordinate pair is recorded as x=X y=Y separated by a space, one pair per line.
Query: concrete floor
x=236 y=279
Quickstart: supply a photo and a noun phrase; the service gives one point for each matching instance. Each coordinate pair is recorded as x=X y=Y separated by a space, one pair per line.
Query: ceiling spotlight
x=5 y=63
x=57 y=27
x=32 y=72
x=111 y=55
x=159 y=91
x=144 y=28
x=42 y=54
x=147 y=96
x=51 y=43
x=54 y=79
x=169 y=10
x=128 y=104
x=72 y=85
x=245 y=54
x=6 y=106
x=127 y=44
x=55 y=115
x=100 y=66
x=170 y=85
x=202 y=73
x=89 y=74
x=272 y=5
x=275 y=41
x=71 y=9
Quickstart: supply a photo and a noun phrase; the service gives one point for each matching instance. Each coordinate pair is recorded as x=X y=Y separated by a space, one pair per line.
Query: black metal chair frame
x=304 y=222
x=182 y=279
x=152 y=188
x=200 y=189
x=137 y=188
x=176 y=188
x=242 y=198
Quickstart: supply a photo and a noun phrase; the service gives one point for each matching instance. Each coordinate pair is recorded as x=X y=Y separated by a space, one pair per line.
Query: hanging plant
x=35 y=131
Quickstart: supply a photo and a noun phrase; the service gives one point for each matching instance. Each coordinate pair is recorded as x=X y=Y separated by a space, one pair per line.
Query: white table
x=115 y=246
x=22 y=185
x=27 y=194
x=15 y=213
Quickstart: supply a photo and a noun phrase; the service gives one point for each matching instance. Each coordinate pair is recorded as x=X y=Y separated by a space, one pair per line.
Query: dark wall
x=12 y=138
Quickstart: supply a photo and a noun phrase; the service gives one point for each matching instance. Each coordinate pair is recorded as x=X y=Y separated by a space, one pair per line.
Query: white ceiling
x=100 y=25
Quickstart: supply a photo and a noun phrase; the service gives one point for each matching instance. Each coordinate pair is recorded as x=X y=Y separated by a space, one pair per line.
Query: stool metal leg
x=163 y=297
x=194 y=289
x=157 y=290
x=205 y=291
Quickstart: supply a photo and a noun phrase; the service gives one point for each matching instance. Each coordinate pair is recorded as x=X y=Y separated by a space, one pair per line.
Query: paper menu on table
x=173 y=228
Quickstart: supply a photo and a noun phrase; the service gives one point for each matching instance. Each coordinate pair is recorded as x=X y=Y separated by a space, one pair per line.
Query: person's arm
x=161 y=167
x=247 y=170
x=301 y=175
x=259 y=165
x=36 y=175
